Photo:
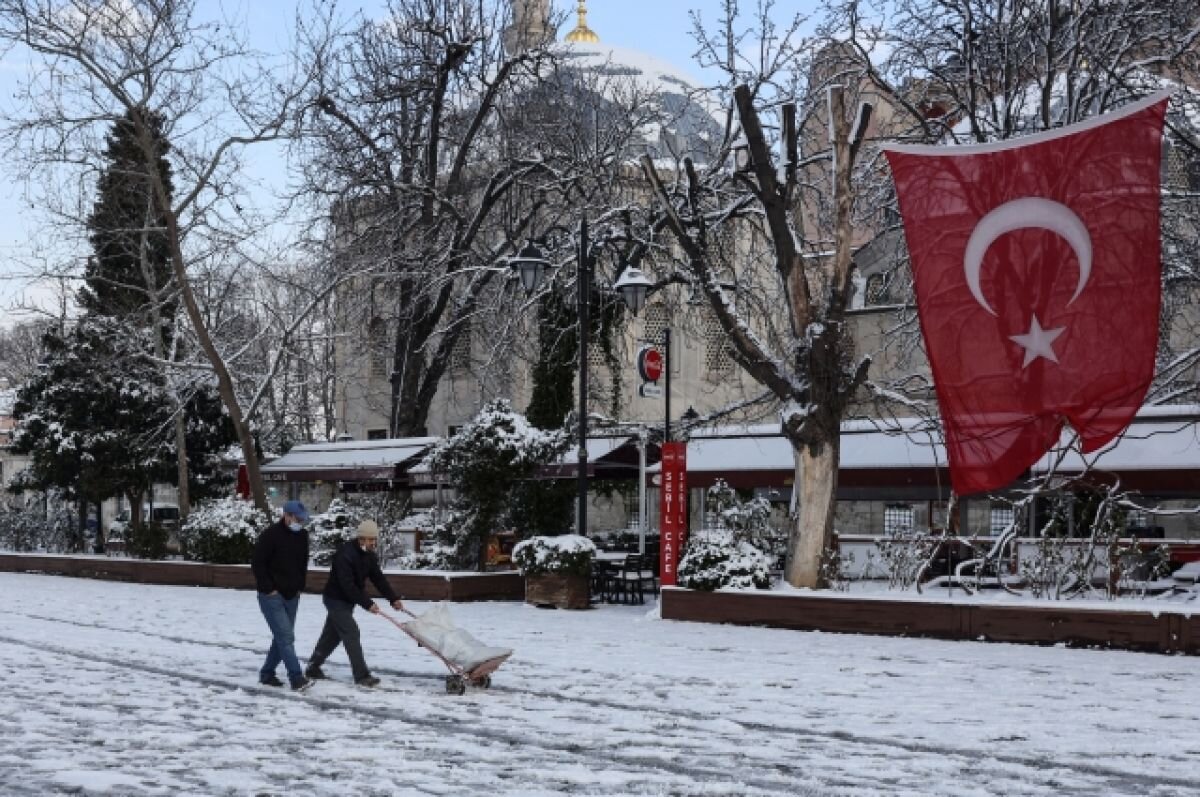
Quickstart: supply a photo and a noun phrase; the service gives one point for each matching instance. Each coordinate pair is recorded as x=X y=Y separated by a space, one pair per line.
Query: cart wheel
x=455 y=685
x=483 y=682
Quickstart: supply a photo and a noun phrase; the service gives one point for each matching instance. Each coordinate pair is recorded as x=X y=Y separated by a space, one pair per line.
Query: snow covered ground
x=111 y=688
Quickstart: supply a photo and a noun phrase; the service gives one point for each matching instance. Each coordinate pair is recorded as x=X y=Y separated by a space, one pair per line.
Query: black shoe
x=368 y=680
x=270 y=680
x=314 y=672
x=301 y=684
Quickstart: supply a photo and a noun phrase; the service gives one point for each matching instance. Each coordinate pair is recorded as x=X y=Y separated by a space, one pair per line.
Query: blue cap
x=296 y=508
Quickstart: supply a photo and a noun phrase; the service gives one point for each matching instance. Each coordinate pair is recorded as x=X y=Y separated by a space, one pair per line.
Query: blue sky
x=658 y=27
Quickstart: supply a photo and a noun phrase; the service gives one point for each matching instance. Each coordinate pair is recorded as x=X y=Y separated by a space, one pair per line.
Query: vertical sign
x=673 y=510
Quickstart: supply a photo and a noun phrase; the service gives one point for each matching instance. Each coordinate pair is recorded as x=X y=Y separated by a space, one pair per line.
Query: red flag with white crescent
x=1037 y=270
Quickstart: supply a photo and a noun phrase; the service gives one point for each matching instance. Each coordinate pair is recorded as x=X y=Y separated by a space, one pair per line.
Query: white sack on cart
x=436 y=630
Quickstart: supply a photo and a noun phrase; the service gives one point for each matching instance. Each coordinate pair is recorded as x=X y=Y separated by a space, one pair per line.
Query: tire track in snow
x=606 y=757
x=1138 y=782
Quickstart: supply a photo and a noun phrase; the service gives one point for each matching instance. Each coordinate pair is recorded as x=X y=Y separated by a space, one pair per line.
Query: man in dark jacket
x=280 y=566
x=353 y=564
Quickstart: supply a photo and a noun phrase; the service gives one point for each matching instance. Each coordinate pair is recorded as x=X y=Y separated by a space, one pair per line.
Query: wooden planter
x=559 y=590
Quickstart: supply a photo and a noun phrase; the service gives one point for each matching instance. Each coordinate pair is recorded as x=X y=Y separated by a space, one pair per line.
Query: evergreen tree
x=131 y=269
x=91 y=420
x=544 y=507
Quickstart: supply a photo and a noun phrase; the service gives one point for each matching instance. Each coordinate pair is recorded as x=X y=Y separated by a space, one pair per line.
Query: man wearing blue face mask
x=280 y=566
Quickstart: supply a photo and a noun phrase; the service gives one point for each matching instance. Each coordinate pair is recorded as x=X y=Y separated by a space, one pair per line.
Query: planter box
x=423 y=586
x=558 y=590
x=1152 y=629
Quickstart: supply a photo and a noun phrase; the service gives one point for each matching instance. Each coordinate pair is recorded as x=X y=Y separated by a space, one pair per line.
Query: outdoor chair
x=603 y=582
x=632 y=579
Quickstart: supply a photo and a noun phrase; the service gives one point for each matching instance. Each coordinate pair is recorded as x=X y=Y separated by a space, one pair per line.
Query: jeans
x=340 y=628
x=280 y=614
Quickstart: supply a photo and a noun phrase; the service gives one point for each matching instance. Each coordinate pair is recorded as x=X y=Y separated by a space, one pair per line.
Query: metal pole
x=641 y=491
x=667 y=402
x=584 y=286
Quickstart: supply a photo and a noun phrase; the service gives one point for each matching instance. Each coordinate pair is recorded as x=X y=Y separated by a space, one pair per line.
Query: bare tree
x=94 y=63
x=438 y=151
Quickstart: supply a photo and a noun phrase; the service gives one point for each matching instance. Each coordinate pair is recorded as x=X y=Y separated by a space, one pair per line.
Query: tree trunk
x=812 y=524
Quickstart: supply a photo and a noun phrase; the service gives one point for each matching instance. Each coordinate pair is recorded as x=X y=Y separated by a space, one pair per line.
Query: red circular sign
x=649 y=364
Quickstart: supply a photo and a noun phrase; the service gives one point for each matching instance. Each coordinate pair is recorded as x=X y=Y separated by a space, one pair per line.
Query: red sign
x=243 y=482
x=649 y=364
x=1037 y=271
x=672 y=510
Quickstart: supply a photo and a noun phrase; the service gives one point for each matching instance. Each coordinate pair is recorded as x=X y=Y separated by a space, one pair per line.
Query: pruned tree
x=781 y=227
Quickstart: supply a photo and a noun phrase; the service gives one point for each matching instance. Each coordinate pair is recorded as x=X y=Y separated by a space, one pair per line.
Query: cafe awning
x=349 y=461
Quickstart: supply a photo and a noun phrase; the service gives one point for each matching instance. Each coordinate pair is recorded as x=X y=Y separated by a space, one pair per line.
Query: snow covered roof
x=352 y=460
x=865 y=444
x=1160 y=438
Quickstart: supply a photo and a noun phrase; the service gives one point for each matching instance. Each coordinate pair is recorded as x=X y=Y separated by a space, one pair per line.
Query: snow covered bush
x=487 y=457
x=716 y=558
x=569 y=554
x=329 y=529
x=750 y=520
x=222 y=531
x=435 y=553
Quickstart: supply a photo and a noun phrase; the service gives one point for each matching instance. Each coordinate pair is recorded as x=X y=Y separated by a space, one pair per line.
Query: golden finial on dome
x=582 y=32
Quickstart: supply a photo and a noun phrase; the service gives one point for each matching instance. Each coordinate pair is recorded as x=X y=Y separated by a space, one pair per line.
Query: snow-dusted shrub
x=21 y=531
x=749 y=520
x=487 y=457
x=222 y=531
x=716 y=558
x=435 y=553
x=903 y=555
x=329 y=529
x=569 y=554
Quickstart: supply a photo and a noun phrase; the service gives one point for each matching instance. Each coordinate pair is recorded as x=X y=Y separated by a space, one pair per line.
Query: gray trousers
x=340 y=629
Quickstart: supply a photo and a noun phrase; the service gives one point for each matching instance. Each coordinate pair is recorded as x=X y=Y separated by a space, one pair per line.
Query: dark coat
x=352 y=566
x=280 y=560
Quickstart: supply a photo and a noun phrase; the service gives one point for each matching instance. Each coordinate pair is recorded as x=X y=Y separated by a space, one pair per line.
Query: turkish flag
x=1037 y=270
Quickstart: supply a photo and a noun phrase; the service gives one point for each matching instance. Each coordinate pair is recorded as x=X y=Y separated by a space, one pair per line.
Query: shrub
x=222 y=531
x=716 y=558
x=337 y=524
x=569 y=554
x=147 y=541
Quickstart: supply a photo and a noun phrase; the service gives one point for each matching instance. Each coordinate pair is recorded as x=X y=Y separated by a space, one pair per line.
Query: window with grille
x=1000 y=518
x=1179 y=169
x=460 y=355
x=1137 y=519
x=717 y=360
x=377 y=343
x=876 y=289
x=897 y=518
x=656 y=321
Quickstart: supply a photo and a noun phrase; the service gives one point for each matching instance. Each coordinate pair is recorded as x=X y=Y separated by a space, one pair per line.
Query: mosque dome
x=684 y=124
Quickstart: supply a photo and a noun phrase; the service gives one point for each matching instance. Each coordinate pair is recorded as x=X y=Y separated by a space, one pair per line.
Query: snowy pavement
x=111 y=688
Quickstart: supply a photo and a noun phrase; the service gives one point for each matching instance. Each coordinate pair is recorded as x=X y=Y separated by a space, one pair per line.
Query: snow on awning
x=1160 y=438
x=355 y=460
x=605 y=456
x=865 y=445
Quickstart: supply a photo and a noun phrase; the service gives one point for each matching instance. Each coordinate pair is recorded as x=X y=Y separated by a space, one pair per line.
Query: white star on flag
x=1037 y=342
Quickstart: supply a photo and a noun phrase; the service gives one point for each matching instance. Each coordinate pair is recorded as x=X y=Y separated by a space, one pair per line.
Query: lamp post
x=531 y=265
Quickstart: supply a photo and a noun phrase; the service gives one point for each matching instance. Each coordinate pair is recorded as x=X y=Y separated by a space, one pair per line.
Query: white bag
x=436 y=630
